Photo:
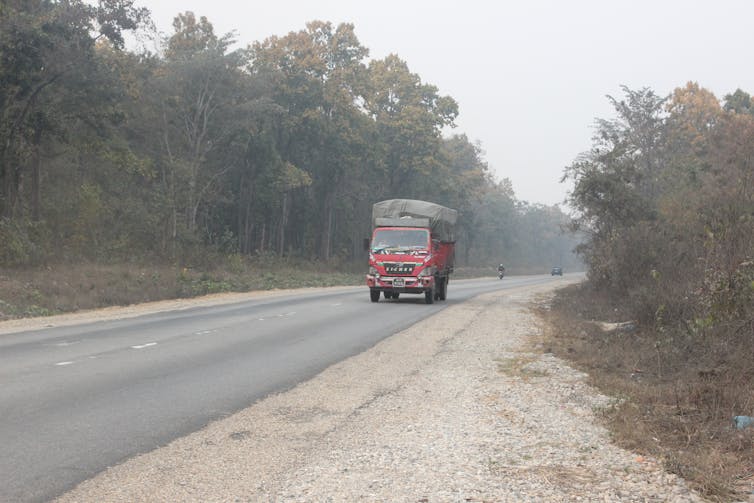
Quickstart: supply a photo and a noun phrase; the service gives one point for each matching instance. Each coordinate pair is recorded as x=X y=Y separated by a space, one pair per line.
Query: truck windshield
x=400 y=240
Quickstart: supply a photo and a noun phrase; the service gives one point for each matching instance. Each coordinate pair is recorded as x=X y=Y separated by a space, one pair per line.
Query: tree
x=617 y=182
x=693 y=113
x=199 y=89
x=725 y=212
x=409 y=116
x=45 y=47
x=319 y=76
x=739 y=101
x=462 y=185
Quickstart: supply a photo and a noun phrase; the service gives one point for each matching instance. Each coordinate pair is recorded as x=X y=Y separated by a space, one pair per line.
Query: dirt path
x=456 y=408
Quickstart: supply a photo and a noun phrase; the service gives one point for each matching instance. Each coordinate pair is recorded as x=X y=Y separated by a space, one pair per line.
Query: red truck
x=412 y=249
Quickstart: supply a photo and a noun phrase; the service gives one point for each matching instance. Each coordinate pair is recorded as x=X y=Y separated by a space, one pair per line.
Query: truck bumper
x=401 y=284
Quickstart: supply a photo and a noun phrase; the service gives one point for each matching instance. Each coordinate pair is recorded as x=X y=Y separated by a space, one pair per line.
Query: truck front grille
x=399 y=269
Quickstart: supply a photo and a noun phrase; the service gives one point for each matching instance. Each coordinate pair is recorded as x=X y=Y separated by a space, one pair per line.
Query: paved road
x=75 y=400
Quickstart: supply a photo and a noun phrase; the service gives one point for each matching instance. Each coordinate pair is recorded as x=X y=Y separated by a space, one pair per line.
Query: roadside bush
x=22 y=242
x=678 y=390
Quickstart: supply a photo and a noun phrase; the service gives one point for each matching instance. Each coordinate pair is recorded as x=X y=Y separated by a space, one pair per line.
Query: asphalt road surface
x=75 y=400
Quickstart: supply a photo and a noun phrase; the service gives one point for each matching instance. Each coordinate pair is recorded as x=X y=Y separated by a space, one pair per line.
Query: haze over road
x=75 y=400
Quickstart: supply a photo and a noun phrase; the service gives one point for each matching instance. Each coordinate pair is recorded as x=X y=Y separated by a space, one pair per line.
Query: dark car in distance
x=556 y=270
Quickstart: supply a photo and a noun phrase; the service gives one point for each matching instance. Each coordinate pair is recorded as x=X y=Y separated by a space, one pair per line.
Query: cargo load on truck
x=442 y=220
x=412 y=249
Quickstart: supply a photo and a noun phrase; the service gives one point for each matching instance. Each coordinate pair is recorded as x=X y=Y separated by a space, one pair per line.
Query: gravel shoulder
x=458 y=407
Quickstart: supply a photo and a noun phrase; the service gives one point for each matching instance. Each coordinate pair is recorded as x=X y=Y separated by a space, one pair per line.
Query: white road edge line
x=60 y=364
x=144 y=345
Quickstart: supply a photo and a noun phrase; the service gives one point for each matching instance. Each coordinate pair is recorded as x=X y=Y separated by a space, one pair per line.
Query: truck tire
x=444 y=288
x=374 y=295
x=429 y=296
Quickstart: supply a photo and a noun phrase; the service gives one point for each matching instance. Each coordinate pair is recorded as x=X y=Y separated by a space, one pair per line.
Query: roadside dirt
x=459 y=407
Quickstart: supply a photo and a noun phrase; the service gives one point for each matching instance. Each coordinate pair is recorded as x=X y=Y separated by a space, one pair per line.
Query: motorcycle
x=500 y=274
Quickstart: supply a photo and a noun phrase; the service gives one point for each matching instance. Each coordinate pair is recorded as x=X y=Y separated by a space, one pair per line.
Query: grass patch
x=71 y=287
x=519 y=366
x=678 y=394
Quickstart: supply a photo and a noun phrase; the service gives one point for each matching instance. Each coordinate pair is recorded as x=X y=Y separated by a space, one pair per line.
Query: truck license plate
x=399 y=282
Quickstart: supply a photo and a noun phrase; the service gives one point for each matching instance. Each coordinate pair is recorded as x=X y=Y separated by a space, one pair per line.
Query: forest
x=199 y=148
x=665 y=199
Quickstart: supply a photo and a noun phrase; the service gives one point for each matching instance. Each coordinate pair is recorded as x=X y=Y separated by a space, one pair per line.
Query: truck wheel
x=444 y=288
x=374 y=295
x=429 y=296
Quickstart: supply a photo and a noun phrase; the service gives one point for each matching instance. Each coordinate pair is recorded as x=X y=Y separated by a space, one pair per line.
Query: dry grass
x=520 y=366
x=67 y=288
x=678 y=396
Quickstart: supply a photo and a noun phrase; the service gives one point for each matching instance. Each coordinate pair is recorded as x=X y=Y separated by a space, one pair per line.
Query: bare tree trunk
x=242 y=225
x=35 y=188
x=327 y=235
x=12 y=176
x=36 y=166
x=10 y=191
x=168 y=177
x=283 y=223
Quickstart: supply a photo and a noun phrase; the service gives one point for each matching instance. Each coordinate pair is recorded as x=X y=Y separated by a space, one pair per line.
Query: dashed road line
x=144 y=345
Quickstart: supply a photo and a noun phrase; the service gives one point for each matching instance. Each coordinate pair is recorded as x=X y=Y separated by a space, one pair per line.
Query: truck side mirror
x=366 y=244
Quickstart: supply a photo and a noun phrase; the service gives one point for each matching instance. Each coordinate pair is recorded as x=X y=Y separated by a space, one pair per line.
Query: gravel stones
x=455 y=408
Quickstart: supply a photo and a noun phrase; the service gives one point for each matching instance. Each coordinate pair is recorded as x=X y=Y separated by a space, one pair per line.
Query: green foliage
x=202 y=150
x=739 y=101
x=23 y=242
x=193 y=287
x=670 y=218
x=51 y=86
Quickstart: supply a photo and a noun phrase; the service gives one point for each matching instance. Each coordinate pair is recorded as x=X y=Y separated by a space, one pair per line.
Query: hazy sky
x=530 y=77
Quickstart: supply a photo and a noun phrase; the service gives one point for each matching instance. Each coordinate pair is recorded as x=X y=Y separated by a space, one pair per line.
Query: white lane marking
x=61 y=344
x=336 y=305
x=144 y=345
x=282 y=315
x=61 y=364
x=205 y=332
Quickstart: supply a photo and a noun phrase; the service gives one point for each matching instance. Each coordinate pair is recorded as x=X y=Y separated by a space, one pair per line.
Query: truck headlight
x=373 y=272
x=427 y=271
